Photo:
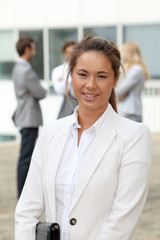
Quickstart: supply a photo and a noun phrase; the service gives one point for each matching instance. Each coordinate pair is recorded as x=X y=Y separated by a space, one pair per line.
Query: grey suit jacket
x=68 y=106
x=28 y=92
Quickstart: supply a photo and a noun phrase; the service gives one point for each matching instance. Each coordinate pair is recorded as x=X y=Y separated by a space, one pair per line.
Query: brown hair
x=106 y=47
x=22 y=43
x=68 y=44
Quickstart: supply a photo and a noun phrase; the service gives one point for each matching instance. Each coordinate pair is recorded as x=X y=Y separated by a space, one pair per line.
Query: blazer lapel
x=56 y=151
x=101 y=144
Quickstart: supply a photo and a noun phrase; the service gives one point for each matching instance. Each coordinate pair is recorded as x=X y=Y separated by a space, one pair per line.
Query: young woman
x=89 y=171
x=129 y=92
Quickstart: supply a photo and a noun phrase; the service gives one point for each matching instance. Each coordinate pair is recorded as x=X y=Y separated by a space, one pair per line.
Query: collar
x=24 y=62
x=95 y=127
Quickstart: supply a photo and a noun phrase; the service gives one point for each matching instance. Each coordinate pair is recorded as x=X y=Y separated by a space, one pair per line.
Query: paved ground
x=149 y=225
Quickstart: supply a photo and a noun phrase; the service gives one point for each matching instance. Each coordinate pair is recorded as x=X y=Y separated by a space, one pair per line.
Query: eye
x=82 y=74
x=102 y=76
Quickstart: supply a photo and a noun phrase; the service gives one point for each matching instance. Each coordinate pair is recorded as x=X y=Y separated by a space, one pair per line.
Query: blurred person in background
x=129 y=90
x=59 y=76
x=28 y=116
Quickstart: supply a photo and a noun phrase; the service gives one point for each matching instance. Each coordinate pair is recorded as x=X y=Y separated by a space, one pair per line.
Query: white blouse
x=70 y=167
x=61 y=72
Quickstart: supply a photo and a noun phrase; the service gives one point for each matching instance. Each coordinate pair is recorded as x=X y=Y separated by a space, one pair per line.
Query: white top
x=70 y=167
x=132 y=86
x=59 y=77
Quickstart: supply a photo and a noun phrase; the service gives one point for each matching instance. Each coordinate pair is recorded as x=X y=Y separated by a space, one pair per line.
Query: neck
x=87 y=117
x=25 y=58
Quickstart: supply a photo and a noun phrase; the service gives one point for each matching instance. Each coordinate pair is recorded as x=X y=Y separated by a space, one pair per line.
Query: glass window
x=109 y=33
x=37 y=62
x=7 y=54
x=57 y=37
x=148 y=39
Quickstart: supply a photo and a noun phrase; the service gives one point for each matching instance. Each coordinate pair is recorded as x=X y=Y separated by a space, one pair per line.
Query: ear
x=26 y=49
x=116 y=80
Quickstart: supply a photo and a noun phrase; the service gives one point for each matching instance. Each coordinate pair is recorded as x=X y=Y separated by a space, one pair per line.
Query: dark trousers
x=28 y=139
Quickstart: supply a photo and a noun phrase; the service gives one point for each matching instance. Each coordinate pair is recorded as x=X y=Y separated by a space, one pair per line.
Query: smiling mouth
x=90 y=96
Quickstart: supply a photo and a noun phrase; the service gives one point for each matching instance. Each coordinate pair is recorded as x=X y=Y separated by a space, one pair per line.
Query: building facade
x=52 y=22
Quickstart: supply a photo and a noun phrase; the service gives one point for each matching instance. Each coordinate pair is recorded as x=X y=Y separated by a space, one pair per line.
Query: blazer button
x=73 y=221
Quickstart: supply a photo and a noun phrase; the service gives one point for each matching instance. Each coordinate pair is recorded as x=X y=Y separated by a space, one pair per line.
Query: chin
x=90 y=106
x=93 y=106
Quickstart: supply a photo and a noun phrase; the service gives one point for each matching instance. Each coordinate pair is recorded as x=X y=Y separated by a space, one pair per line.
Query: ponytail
x=113 y=101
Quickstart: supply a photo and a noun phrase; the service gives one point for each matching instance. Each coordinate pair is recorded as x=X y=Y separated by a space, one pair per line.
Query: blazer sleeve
x=132 y=188
x=132 y=78
x=33 y=85
x=30 y=206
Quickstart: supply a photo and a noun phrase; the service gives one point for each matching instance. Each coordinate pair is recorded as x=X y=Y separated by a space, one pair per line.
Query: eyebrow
x=87 y=71
x=103 y=72
x=82 y=70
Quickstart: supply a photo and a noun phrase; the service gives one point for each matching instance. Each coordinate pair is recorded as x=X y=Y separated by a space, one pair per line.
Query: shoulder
x=132 y=131
x=30 y=73
x=20 y=67
x=57 y=73
x=125 y=127
x=58 y=69
x=135 y=74
x=129 y=133
x=135 y=141
x=56 y=127
x=136 y=69
x=19 y=70
x=131 y=126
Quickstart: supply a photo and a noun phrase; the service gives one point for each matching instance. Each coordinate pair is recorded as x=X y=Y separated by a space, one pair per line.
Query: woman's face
x=93 y=79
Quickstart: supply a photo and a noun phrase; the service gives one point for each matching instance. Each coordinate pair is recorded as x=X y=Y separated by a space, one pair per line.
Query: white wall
x=7 y=106
x=140 y=11
x=151 y=112
x=60 y=13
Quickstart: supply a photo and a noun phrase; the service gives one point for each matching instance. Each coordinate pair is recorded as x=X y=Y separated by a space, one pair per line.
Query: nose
x=91 y=83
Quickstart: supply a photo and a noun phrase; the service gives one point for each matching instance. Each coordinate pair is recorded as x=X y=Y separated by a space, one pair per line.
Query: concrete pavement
x=148 y=227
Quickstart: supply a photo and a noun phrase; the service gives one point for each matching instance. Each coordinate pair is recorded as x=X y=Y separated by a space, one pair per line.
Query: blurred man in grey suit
x=28 y=116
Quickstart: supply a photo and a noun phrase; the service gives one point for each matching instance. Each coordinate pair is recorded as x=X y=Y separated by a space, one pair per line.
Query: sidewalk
x=149 y=225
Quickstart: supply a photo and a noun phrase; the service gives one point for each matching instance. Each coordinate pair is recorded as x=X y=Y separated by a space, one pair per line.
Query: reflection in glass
x=148 y=39
x=7 y=53
x=37 y=61
x=57 y=37
x=109 y=33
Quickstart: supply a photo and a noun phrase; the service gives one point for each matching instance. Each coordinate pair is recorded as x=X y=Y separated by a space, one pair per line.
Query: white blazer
x=112 y=186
